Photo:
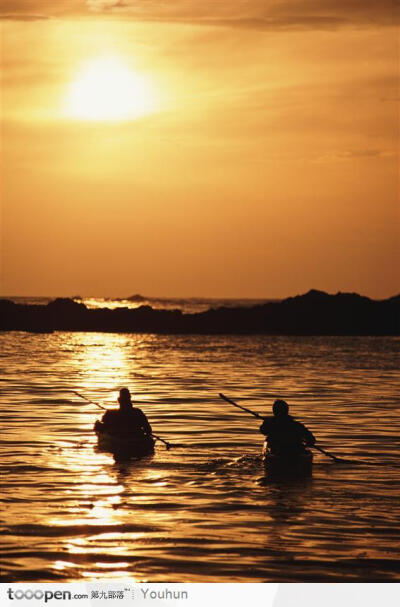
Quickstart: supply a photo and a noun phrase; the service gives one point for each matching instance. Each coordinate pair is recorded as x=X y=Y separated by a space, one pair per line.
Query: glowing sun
x=107 y=89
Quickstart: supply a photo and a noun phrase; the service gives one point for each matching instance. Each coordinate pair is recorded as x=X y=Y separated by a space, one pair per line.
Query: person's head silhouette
x=280 y=407
x=124 y=399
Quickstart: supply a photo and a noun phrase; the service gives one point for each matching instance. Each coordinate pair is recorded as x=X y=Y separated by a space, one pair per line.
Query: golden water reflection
x=197 y=512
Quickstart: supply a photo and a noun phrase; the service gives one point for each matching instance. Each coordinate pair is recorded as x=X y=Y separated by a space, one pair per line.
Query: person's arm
x=307 y=436
x=144 y=422
x=264 y=428
x=106 y=418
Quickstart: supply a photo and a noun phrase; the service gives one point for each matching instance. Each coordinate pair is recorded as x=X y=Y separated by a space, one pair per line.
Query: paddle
x=166 y=443
x=228 y=400
x=89 y=401
x=338 y=460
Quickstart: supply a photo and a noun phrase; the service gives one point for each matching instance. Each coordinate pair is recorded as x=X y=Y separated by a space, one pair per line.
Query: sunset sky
x=199 y=148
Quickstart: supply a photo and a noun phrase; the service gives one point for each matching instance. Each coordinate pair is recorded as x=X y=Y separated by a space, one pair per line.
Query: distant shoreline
x=314 y=313
x=202 y=303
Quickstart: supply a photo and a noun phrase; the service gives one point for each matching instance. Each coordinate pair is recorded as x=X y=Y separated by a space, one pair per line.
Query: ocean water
x=202 y=511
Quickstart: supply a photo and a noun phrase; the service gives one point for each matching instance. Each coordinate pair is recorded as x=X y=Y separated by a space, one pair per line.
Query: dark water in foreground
x=200 y=512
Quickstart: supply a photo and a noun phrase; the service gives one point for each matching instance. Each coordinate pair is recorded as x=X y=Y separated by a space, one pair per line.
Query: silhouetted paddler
x=285 y=435
x=127 y=420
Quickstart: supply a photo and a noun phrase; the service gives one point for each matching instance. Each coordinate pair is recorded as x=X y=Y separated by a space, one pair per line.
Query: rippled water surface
x=201 y=511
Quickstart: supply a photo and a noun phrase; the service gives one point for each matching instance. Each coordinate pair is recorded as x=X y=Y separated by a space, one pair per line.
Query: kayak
x=133 y=446
x=288 y=466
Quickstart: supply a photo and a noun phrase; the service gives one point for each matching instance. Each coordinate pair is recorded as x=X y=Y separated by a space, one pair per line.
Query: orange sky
x=250 y=151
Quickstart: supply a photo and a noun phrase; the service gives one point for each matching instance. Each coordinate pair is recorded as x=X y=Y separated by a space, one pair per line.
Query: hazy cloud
x=22 y=17
x=103 y=5
x=250 y=14
x=40 y=9
x=293 y=14
x=347 y=155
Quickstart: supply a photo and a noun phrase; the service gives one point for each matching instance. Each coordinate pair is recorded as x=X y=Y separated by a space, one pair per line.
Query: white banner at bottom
x=103 y=594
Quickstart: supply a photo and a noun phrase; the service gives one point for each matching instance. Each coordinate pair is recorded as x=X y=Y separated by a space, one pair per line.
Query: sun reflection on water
x=196 y=511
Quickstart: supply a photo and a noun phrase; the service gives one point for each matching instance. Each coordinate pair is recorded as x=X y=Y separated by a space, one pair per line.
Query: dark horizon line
x=199 y=298
x=147 y=297
x=314 y=313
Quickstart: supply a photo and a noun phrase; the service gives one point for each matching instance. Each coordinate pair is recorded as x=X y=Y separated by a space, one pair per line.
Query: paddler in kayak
x=285 y=435
x=127 y=421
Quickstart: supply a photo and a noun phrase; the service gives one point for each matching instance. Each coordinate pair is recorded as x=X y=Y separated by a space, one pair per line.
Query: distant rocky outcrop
x=314 y=313
x=137 y=297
